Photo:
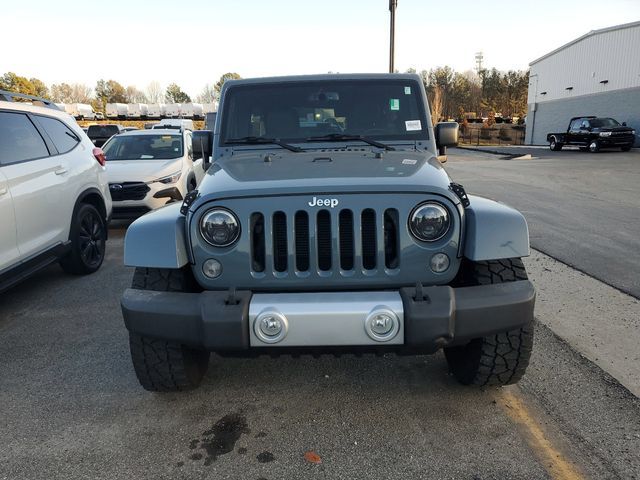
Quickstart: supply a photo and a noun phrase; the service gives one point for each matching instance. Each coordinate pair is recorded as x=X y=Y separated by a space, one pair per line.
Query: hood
x=325 y=170
x=121 y=171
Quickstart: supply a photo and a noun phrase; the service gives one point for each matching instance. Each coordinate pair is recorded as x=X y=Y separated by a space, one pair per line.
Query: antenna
x=479 y=58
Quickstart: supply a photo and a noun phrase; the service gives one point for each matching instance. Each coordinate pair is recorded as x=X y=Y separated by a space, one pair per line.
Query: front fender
x=494 y=231
x=157 y=240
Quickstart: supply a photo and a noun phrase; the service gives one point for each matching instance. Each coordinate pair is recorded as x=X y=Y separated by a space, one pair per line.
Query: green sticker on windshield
x=394 y=104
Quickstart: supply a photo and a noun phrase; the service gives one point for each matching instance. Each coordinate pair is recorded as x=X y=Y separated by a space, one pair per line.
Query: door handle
x=60 y=171
x=3 y=191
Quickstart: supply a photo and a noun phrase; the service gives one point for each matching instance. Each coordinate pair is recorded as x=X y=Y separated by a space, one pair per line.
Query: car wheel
x=88 y=237
x=555 y=146
x=161 y=365
x=594 y=146
x=499 y=359
x=626 y=149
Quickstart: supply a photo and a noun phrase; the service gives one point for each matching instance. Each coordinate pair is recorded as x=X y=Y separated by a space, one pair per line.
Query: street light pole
x=392 y=34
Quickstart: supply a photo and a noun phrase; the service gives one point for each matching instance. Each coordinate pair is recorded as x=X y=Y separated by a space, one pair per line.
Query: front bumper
x=222 y=321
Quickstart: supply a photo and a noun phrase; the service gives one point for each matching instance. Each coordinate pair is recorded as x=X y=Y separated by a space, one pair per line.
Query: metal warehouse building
x=596 y=74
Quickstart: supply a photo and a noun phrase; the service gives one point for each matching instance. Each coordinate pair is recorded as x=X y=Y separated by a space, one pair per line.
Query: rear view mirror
x=202 y=141
x=446 y=136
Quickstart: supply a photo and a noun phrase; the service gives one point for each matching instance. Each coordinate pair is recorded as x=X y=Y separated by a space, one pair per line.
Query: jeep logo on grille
x=324 y=202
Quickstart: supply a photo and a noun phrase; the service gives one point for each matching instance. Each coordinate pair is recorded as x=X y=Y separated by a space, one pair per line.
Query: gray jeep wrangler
x=327 y=224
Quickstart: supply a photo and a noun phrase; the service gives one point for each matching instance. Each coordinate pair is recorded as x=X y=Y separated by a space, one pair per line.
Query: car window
x=143 y=147
x=584 y=124
x=62 y=137
x=575 y=125
x=384 y=109
x=604 y=122
x=19 y=139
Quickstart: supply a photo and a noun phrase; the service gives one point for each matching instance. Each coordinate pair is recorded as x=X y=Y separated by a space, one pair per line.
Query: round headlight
x=219 y=227
x=429 y=222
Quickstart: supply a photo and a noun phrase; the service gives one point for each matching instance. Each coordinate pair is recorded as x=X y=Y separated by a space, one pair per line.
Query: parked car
x=593 y=133
x=340 y=236
x=54 y=196
x=187 y=110
x=148 y=169
x=99 y=134
x=137 y=110
x=99 y=116
x=176 y=123
x=117 y=110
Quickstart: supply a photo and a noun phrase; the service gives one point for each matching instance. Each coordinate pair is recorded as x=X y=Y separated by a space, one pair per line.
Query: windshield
x=381 y=109
x=604 y=122
x=102 y=131
x=143 y=147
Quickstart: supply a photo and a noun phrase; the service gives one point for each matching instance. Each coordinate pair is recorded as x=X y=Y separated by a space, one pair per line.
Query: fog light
x=212 y=268
x=439 y=262
x=270 y=326
x=381 y=324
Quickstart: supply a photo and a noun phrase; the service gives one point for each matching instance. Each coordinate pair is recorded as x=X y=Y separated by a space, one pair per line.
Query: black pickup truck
x=99 y=134
x=593 y=133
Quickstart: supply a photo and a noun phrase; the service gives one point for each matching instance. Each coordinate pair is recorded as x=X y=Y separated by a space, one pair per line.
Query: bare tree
x=155 y=93
x=208 y=94
x=135 y=96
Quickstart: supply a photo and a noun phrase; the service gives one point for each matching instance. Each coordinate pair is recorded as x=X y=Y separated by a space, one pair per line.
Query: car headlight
x=633 y=132
x=173 y=178
x=219 y=227
x=605 y=134
x=429 y=222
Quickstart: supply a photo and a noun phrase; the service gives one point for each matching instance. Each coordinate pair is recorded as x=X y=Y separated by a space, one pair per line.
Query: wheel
x=88 y=237
x=499 y=359
x=161 y=365
x=626 y=149
x=555 y=146
x=594 y=146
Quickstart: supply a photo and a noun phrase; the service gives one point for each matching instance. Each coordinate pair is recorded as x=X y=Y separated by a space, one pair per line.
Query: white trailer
x=117 y=110
x=198 y=111
x=173 y=110
x=137 y=110
x=156 y=110
x=80 y=111
x=187 y=110
x=209 y=108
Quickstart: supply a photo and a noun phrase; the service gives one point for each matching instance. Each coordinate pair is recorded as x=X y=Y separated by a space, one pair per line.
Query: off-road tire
x=499 y=359
x=161 y=365
x=555 y=146
x=88 y=236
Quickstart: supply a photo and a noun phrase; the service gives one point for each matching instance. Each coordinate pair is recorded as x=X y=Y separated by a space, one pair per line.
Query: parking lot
x=72 y=407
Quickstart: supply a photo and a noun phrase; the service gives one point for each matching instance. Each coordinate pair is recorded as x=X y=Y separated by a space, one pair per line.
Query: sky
x=193 y=42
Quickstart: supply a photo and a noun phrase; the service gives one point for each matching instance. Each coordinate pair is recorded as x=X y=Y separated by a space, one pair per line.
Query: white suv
x=149 y=168
x=54 y=195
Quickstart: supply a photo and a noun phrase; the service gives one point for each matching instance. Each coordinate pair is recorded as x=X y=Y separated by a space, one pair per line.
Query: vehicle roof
x=156 y=131
x=29 y=107
x=325 y=77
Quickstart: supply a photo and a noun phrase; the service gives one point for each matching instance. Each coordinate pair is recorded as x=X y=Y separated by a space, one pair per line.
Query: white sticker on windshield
x=409 y=161
x=412 y=125
x=407 y=90
x=394 y=104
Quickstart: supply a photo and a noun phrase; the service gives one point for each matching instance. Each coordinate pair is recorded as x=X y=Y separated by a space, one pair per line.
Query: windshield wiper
x=262 y=141
x=340 y=137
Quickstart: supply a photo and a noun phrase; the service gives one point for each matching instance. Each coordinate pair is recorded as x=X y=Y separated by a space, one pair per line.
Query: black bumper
x=433 y=317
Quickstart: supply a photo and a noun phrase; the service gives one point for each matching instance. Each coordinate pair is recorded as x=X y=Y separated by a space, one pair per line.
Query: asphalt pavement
x=72 y=407
x=582 y=208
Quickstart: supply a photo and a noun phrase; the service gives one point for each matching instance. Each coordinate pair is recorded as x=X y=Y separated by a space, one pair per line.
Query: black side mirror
x=446 y=136
x=202 y=141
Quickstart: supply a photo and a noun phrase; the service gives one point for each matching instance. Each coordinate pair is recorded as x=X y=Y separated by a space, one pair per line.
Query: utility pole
x=392 y=34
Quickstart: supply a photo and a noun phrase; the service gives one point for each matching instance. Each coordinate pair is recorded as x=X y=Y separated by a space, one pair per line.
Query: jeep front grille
x=325 y=240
